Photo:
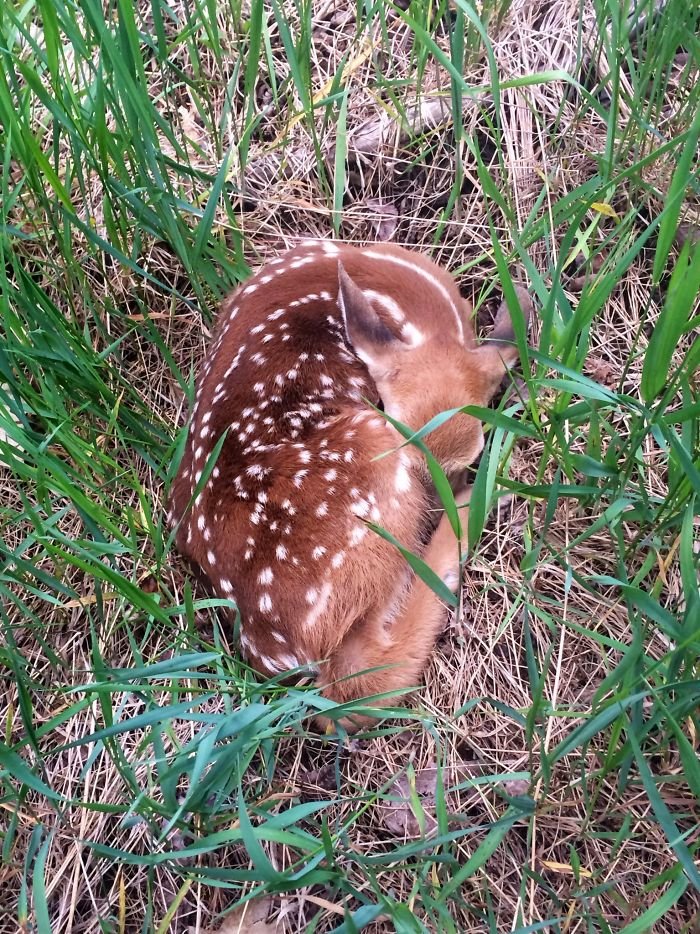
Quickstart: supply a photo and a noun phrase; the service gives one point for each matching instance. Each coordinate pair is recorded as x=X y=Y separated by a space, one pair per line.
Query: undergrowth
x=152 y=153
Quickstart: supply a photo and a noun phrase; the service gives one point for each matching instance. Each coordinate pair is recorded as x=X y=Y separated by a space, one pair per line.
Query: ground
x=546 y=774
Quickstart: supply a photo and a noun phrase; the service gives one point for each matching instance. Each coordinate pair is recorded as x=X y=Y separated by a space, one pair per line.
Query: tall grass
x=120 y=715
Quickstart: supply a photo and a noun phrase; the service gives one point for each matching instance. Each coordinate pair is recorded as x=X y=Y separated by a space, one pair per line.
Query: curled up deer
x=279 y=524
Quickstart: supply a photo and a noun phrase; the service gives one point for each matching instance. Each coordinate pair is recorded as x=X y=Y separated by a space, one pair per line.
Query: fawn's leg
x=403 y=642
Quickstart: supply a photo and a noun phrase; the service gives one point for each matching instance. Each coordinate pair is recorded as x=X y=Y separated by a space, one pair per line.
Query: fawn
x=278 y=526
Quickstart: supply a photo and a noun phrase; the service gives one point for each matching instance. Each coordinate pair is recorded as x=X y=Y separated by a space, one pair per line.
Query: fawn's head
x=422 y=368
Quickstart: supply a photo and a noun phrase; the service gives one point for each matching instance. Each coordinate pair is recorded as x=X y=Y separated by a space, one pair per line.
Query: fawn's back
x=279 y=522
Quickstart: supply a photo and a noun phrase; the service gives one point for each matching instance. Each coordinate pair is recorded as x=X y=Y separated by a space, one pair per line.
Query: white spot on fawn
x=265 y=603
x=337 y=559
x=360 y=508
x=402 y=480
x=265 y=576
x=320 y=606
x=357 y=534
x=412 y=335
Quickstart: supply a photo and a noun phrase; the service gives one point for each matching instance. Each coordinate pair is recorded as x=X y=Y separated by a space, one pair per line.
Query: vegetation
x=546 y=776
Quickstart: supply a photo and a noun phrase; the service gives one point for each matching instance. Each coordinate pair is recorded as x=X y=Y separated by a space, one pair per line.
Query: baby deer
x=279 y=525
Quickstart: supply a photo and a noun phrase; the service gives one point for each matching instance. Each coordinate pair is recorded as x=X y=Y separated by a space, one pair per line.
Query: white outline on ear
x=369 y=328
x=367 y=334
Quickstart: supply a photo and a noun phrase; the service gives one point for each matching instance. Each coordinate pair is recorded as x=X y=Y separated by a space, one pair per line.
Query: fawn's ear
x=501 y=340
x=499 y=351
x=365 y=331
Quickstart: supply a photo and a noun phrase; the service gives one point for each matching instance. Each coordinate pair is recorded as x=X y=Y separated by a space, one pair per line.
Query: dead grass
x=580 y=811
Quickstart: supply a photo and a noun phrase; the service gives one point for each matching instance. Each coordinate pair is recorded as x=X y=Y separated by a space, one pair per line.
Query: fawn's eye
x=380 y=405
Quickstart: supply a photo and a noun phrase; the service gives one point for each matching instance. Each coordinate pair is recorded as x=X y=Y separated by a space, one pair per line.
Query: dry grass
x=593 y=845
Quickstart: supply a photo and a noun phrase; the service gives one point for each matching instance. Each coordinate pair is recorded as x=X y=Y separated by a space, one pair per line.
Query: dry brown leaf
x=585 y=270
x=516 y=787
x=601 y=371
x=384 y=218
x=250 y=918
x=399 y=815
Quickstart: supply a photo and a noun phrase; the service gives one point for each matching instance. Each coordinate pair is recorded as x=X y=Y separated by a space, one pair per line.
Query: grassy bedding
x=546 y=775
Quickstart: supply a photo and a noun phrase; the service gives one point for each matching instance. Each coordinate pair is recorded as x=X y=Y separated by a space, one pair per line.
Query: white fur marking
x=402 y=479
x=387 y=303
x=414 y=267
x=357 y=534
x=323 y=598
x=412 y=335
x=338 y=559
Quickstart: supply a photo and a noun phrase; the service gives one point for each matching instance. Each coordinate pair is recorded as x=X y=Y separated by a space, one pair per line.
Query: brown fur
x=279 y=526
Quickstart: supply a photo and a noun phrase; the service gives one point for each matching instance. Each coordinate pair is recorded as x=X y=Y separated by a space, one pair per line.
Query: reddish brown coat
x=279 y=526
